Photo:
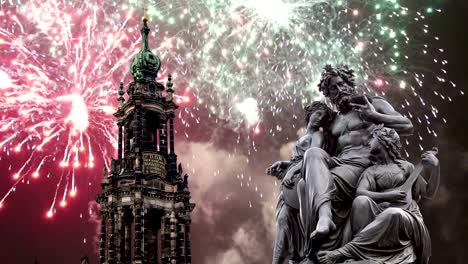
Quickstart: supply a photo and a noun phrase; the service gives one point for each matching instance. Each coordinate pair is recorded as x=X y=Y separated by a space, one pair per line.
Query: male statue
x=329 y=182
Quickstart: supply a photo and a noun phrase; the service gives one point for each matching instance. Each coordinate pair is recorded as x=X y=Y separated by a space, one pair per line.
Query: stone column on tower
x=128 y=238
x=145 y=229
x=138 y=233
x=172 y=157
x=163 y=138
x=111 y=246
x=180 y=245
x=188 y=250
x=150 y=239
x=173 y=228
x=103 y=238
x=166 y=236
x=119 y=143
x=144 y=130
x=171 y=135
x=118 y=235
x=121 y=103
x=128 y=132
x=137 y=134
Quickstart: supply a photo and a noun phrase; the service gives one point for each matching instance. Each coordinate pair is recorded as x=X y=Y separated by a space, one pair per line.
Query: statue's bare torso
x=350 y=130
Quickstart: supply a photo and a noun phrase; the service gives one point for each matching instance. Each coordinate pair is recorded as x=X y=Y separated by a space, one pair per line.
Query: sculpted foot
x=324 y=226
x=329 y=257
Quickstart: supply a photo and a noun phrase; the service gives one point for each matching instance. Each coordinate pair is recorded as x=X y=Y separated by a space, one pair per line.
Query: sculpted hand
x=274 y=169
x=396 y=196
x=385 y=205
x=366 y=111
x=288 y=181
x=428 y=159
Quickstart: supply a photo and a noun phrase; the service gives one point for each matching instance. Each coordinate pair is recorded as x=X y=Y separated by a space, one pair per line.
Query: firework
x=236 y=60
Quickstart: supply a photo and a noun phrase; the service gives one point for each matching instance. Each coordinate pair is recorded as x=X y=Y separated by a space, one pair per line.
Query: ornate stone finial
x=170 y=91
x=179 y=169
x=121 y=94
x=185 y=186
x=146 y=64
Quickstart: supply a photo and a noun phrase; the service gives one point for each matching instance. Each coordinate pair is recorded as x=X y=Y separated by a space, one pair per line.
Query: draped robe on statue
x=393 y=235
x=289 y=235
x=336 y=181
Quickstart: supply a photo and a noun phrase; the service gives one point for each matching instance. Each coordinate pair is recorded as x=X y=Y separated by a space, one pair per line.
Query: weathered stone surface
x=145 y=198
x=355 y=191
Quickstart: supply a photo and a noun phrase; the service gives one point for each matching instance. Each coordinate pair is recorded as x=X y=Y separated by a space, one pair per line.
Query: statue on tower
x=331 y=173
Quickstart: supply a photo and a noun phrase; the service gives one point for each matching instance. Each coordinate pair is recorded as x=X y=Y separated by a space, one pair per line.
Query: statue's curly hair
x=390 y=140
x=329 y=71
x=317 y=105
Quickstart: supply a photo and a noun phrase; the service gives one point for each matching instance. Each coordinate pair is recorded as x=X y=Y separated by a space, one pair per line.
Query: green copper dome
x=146 y=64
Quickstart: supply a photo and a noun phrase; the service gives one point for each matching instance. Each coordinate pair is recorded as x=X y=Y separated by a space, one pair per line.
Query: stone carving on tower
x=145 y=199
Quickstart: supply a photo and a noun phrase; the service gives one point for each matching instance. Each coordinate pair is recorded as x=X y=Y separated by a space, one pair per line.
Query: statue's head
x=385 y=140
x=317 y=115
x=337 y=84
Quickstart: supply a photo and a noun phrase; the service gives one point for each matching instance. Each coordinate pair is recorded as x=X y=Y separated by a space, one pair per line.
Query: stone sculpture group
x=347 y=195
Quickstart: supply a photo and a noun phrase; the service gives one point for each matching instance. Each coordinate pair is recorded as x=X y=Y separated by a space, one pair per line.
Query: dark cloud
x=232 y=224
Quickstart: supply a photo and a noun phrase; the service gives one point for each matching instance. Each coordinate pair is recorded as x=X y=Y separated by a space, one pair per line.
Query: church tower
x=145 y=199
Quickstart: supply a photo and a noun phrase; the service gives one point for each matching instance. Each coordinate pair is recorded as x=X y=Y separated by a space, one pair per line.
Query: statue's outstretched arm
x=431 y=164
x=277 y=169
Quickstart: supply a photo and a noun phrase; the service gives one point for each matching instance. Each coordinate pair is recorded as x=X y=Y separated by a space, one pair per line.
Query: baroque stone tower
x=145 y=199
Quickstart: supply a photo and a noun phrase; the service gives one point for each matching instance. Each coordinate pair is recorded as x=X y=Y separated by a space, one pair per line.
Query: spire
x=144 y=34
x=121 y=94
x=146 y=64
x=169 y=90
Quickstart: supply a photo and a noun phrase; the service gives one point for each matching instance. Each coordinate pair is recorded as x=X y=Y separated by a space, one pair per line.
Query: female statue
x=289 y=239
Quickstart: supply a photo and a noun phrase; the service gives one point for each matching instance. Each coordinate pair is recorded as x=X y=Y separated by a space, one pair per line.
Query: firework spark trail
x=90 y=163
x=236 y=60
x=51 y=210
x=19 y=177
x=36 y=172
x=63 y=202
x=36 y=83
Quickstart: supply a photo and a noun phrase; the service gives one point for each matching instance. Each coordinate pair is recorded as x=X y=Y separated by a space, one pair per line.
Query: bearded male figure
x=330 y=179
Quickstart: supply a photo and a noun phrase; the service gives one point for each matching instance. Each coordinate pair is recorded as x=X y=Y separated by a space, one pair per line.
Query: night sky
x=230 y=223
